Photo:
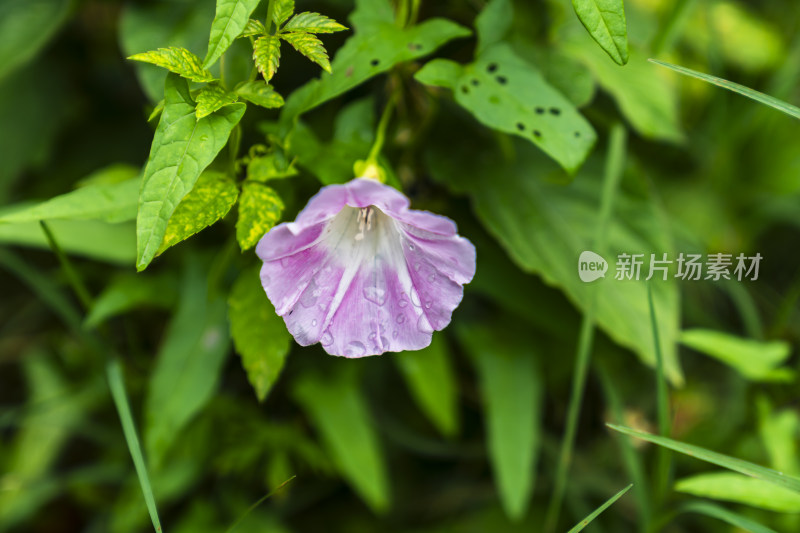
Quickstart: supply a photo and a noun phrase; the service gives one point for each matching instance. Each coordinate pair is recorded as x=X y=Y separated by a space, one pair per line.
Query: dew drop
x=424 y=325
x=395 y=334
x=327 y=338
x=375 y=295
x=372 y=336
x=310 y=295
x=431 y=278
x=428 y=304
x=417 y=266
x=285 y=261
x=400 y=319
x=265 y=280
x=402 y=302
x=412 y=247
x=314 y=323
x=415 y=298
x=384 y=343
x=355 y=349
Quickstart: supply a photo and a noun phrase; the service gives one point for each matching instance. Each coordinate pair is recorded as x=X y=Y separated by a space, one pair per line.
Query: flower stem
x=380 y=134
x=270 y=11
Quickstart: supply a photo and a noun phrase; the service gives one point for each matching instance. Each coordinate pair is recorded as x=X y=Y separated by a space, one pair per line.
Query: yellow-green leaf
x=283 y=10
x=268 y=167
x=259 y=335
x=260 y=93
x=309 y=46
x=231 y=18
x=260 y=209
x=267 y=55
x=178 y=60
x=309 y=22
x=733 y=487
x=253 y=28
x=209 y=201
x=211 y=98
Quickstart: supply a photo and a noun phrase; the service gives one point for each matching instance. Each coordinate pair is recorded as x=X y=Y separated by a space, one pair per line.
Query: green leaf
x=182 y=148
x=267 y=55
x=309 y=22
x=259 y=335
x=720 y=513
x=177 y=60
x=253 y=28
x=212 y=98
x=511 y=387
x=114 y=202
x=260 y=208
x=377 y=46
x=493 y=23
x=755 y=360
x=310 y=46
x=762 y=98
x=339 y=411
x=128 y=292
x=432 y=381
x=586 y=521
x=101 y=241
x=505 y=93
x=732 y=487
x=262 y=169
x=283 y=10
x=188 y=364
x=778 y=431
x=544 y=226
x=605 y=22
x=231 y=19
x=259 y=93
x=25 y=27
x=209 y=201
x=731 y=463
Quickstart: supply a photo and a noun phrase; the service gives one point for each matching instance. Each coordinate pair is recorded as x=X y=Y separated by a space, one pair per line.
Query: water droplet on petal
x=314 y=323
x=402 y=302
x=384 y=343
x=431 y=278
x=285 y=262
x=395 y=334
x=423 y=324
x=372 y=336
x=327 y=338
x=310 y=295
x=375 y=295
x=417 y=266
x=415 y=298
x=355 y=349
x=265 y=280
x=400 y=319
x=428 y=304
x=411 y=247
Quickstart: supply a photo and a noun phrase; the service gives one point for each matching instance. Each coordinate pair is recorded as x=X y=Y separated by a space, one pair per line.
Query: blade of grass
x=725 y=461
x=662 y=402
x=585 y=522
x=760 y=97
x=259 y=502
x=117 y=385
x=720 y=513
x=612 y=176
x=72 y=276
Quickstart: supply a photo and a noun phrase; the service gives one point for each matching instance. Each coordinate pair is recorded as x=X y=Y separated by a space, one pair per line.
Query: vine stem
x=383 y=125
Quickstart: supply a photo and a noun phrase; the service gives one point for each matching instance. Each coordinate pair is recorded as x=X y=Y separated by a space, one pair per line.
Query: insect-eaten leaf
x=309 y=22
x=209 y=201
x=259 y=93
x=310 y=46
x=211 y=98
x=259 y=335
x=260 y=208
x=178 y=60
x=267 y=55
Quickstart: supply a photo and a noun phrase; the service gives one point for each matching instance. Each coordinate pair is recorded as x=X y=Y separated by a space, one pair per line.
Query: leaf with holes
x=605 y=22
x=182 y=148
x=506 y=93
x=259 y=335
x=209 y=201
x=177 y=60
x=309 y=22
x=259 y=93
x=253 y=28
x=230 y=20
x=310 y=46
x=260 y=208
x=267 y=55
x=377 y=46
x=212 y=98
x=282 y=11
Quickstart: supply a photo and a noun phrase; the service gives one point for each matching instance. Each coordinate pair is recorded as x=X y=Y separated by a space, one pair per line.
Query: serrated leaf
x=310 y=46
x=259 y=335
x=506 y=93
x=340 y=413
x=231 y=18
x=209 y=201
x=262 y=169
x=267 y=55
x=211 y=98
x=511 y=387
x=733 y=487
x=260 y=208
x=433 y=384
x=282 y=11
x=177 y=60
x=182 y=148
x=260 y=93
x=377 y=46
x=309 y=22
x=253 y=28
x=605 y=22
x=188 y=365
x=110 y=202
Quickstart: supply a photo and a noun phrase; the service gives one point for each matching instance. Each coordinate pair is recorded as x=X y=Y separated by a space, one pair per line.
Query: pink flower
x=362 y=274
